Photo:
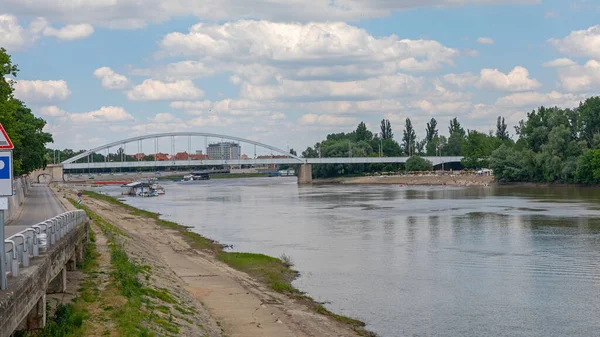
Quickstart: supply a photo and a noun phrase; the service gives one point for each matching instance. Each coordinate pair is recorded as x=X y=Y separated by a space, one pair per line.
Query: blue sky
x=289 y=72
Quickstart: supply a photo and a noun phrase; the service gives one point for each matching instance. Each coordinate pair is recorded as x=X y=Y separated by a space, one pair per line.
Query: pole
x=3 y=285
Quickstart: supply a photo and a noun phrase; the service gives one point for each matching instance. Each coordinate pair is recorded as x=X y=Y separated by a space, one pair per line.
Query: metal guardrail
x=29 y=243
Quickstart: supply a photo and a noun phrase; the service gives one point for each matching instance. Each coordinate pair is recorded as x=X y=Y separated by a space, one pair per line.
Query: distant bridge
x=304 y=174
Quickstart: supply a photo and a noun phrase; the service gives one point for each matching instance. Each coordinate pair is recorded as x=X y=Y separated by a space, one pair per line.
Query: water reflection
x=418 y=261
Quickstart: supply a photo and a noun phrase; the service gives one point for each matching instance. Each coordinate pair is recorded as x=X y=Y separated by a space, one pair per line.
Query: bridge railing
x=31 y=242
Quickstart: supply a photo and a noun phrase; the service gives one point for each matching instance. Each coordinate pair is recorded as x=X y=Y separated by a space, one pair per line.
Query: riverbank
x=426 y=180
x=245 y=294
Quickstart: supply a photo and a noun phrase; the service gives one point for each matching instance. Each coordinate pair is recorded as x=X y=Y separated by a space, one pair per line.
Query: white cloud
x=550 y=15
x=583 y=43
x=305 y=45
x=492 y=79
x=516 y=80
x=70 y=32
x=110 y=79
x=485 y=40
x=104 y=114
x=380 y=87
x=184 y=70
x=325 y=120
x=52 y=111
x=137 y=14
x=163 y=118
x=15 y=37
x=153 y=90
x=471 y=52
x=535 y=99
x=461 y=80
x=37 y=91
x=559 y=63
x=580 y=78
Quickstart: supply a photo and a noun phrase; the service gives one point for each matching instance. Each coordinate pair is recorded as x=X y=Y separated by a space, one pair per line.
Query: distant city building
x=244 y=156
x=181 y=156
x=139 y=156
x=198 y=156
x=224 y=151
x=199 y=152
x=161 y=157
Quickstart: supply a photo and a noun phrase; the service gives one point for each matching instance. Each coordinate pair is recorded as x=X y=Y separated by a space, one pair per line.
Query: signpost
x=6 y=189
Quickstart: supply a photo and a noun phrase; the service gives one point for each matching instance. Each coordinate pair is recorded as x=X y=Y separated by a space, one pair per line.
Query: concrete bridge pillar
x=59 y=284
x=36 y=319
x=305 y=174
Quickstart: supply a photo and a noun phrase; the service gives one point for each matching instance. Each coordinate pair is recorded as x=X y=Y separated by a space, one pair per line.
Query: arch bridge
x=84 y=161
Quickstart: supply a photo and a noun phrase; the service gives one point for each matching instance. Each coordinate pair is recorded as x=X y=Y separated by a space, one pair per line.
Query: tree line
x=555 y=145
x=474 y=145
x=23 y=128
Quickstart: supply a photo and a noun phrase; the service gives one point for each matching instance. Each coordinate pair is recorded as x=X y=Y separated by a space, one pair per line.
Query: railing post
x=53 y=232
x=14 y=260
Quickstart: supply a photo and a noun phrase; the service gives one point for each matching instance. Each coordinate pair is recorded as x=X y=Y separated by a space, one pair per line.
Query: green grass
x=275 y=272
x=138 y=314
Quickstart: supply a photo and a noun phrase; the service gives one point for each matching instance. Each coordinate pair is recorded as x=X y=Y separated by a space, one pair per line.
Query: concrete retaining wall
x=22 y=186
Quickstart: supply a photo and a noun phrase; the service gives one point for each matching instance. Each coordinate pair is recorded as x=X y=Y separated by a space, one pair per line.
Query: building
x=139 y=156
x=161 y=157
x=224 y=151
x=181 y=156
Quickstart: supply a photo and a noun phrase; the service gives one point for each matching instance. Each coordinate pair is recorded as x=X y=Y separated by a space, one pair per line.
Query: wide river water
x=417 y=261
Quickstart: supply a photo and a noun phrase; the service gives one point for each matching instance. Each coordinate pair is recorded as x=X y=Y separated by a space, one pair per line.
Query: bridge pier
x=305 y=174
x=36 y=319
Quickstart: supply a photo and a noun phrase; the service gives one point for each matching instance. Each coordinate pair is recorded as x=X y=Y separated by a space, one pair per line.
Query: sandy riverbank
x=427 y=180
x=237 y=304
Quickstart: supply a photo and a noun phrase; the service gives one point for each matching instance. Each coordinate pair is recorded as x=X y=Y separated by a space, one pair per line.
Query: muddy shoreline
x=423 y=180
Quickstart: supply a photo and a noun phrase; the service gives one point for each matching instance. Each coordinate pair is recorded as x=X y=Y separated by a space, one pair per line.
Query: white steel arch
x=177 y=134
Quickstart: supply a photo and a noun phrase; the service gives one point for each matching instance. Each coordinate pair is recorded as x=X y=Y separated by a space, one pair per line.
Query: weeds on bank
x=140 y=312
x=277 y=273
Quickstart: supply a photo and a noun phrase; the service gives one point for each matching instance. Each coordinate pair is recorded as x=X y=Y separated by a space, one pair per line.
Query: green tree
x=431 y=137
x=508 y=165
x=588 y=167
x=362 y=133
x=293 y=152
x=409 y=138
x=477 y=148
x=501 y=129
x=457 y=136
x=24 y=129
x=416 y=163
x=386 y=129
x=589 y=113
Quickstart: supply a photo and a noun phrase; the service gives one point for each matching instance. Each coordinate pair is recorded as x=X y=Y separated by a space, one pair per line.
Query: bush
x=416 y=163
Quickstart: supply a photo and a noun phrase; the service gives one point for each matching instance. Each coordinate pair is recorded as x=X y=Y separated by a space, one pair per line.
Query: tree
x=589 y=113
x=431 y=135
x=23 y=128
x=588 y=167
x=409 y=138
x=457 y=136
x=416 y=163
x=386 y=129
x=501 y=132
x=293 y=152
x=477 y=148
x=362 y=133
x=507 y=165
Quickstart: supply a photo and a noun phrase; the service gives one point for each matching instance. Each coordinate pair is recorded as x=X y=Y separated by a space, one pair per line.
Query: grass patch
x=137 y=315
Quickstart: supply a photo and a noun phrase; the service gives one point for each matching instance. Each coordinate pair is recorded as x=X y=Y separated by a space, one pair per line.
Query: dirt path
x=240 y=305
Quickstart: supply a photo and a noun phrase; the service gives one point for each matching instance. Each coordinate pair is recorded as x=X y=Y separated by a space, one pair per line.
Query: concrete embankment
x=426 y=180
x=224 y=291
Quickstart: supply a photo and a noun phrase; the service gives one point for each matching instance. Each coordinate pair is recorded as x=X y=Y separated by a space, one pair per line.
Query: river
x=417 y=261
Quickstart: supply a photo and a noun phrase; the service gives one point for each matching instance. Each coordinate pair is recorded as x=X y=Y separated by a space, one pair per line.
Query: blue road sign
x=5 y=168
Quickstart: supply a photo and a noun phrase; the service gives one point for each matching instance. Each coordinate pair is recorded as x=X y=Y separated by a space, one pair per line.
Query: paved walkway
x=39 y=205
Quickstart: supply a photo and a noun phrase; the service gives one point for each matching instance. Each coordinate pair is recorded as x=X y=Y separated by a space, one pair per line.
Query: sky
x=289 y=72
